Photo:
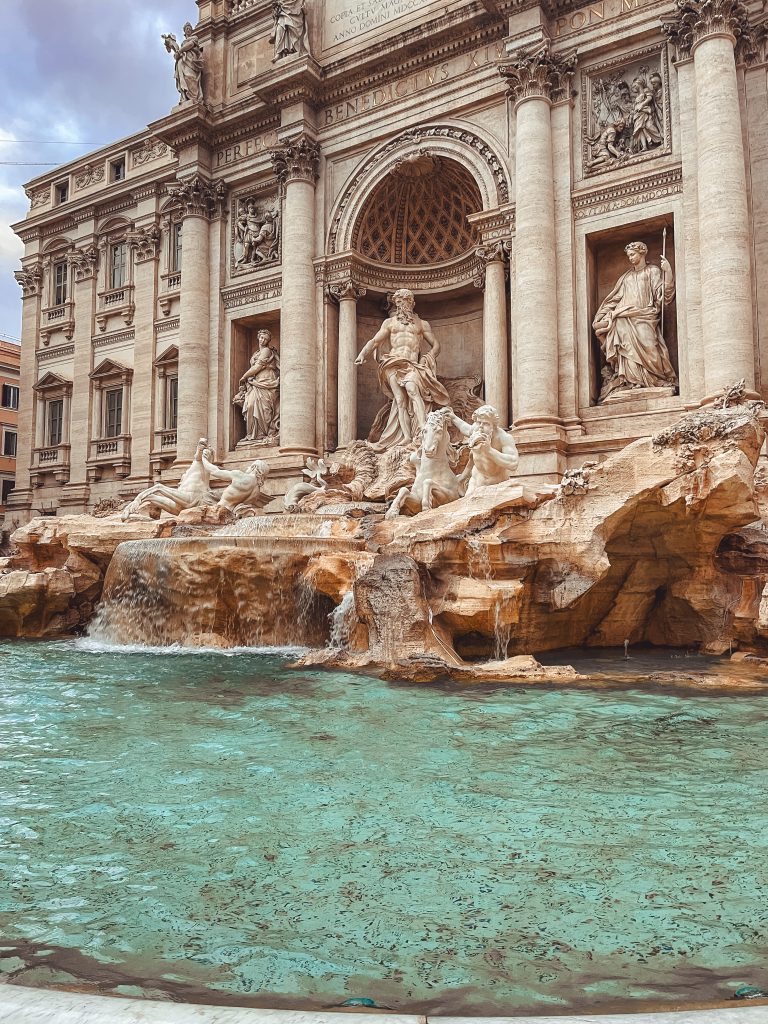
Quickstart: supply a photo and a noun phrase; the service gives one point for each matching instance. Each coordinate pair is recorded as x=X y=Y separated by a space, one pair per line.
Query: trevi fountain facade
x=423 y=344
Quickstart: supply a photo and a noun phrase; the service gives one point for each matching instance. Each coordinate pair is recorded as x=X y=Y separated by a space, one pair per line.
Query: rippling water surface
x=226 y=829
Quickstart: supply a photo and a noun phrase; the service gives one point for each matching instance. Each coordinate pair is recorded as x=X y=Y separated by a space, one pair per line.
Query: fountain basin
x=218 y=829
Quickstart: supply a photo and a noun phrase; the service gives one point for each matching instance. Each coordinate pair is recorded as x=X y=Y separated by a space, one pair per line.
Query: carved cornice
x=84 y=262
x=198 y=197
x=145 y=243
x=247 y=294
x=59 y=351
x=695 y=20
x=538 y=73
x=628 y=193
x=111 y=339
x=31 y=280
x=336 y=271
x=348 y=289
x=297 y=160
x=164 y=326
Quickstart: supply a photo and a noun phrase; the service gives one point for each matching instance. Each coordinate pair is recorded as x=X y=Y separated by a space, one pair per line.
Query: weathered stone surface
x=50 y=586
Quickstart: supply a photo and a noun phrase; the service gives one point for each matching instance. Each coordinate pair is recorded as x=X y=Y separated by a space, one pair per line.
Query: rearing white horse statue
x=435 y=483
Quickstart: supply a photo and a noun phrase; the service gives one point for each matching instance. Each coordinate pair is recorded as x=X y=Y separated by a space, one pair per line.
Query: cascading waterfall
x=342 y=620
x=480 y=568
x=224 y=591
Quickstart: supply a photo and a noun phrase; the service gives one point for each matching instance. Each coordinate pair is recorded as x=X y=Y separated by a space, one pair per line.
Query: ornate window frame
x=51 y=458
x=115 y=450
x=164 y=435
x=111 y=300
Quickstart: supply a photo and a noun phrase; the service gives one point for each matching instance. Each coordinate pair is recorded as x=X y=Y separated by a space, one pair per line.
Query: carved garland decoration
x=91 y=174
x=416 y=136
x=152 y=149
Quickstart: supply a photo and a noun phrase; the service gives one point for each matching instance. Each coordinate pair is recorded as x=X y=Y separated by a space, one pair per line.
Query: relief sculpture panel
x=256 y=232
x=625 y=111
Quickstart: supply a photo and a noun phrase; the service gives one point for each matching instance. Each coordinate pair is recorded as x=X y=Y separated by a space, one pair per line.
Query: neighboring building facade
x=10 y=359
x=494 y=157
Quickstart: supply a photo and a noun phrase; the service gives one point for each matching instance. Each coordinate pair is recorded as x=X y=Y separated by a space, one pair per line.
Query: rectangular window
x=176 y=248
x=173 y=403
x=113 y=412
x=9 y=444
x=10 y=398
x=59 y=283
x=117 y=170
x=119 y=265
x=61 y=192
x=7 y=487
x=55 y=421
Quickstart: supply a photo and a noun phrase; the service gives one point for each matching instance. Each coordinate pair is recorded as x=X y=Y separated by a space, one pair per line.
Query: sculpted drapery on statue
x=406 y=374
x=189 y=64
x=290 y=32
x=628 y=326
x=259 y=392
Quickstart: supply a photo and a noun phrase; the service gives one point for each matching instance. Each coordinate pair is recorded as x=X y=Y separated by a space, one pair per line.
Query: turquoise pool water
x=224 y=829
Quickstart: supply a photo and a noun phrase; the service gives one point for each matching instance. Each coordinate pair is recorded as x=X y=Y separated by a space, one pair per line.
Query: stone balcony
x=170 y=289
x=116 y=302
x=109 y=453
x=164 y=450
x=53 y=459
x=57 y=318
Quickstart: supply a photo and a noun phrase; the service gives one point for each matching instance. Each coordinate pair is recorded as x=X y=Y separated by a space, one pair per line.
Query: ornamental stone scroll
x=539 y=73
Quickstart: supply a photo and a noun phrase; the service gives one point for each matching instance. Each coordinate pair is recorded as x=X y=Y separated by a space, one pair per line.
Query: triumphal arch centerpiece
x=360 y=213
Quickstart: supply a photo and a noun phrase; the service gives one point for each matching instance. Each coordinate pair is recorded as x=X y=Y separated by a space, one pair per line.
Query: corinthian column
x=31 y=280
x=495 y=348
x=199 y=200
x=296 y=165
x=535 y=79
x=347 y=295
x=708 y=31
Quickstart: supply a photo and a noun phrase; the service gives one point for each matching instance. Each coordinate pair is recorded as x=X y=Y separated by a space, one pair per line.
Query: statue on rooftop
x=406 y=373
x=189 y=64
x=289 y=34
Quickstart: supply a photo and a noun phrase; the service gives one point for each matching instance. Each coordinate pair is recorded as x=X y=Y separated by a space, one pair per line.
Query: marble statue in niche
x=626 y=116
x=406 y=351
x=259 y=393
x=628 y=326
x=257 y=234
x=289 y=34
x=188 y=57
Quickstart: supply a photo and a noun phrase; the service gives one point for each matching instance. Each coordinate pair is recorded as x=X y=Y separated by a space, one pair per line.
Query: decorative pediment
x=108 y=368
x=168 y=358
x=52 y=381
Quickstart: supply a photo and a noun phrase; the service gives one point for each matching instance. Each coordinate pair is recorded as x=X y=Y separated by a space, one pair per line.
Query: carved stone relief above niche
x=625 y=111
x=256 y=230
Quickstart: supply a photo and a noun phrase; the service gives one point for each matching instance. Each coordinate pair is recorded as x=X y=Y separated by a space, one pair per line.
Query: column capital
x=31 y=280
x=84 y=262
x=348 y=289
x=297 y=160
x=536 y=73
x=696 y=20
x=492 y=252
x=199 y=197
x=145 y=243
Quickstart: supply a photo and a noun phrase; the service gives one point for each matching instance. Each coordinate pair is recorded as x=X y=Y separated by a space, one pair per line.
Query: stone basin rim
x=22 y=1005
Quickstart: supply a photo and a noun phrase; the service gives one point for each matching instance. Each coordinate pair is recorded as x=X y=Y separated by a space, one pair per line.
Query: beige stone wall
x=436 y=89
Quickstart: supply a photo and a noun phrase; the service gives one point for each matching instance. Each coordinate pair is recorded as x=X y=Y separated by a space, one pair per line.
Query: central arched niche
x=417 y=214
x=416 y=218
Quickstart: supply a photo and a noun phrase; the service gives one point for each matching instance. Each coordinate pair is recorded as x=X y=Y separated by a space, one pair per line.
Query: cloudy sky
x=74 y=75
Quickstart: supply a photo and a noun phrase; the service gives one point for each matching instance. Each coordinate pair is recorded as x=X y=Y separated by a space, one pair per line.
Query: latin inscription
x=594 y=14
x=245 y=149
x=347 y=19
x=414 y=83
